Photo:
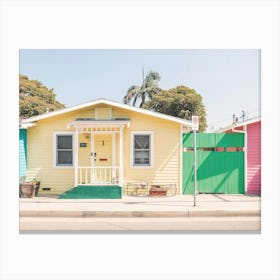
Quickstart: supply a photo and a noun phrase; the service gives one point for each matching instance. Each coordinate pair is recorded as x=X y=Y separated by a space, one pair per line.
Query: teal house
x=22 y=153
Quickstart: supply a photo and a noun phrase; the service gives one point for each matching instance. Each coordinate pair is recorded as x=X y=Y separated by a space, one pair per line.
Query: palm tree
x=147 y=89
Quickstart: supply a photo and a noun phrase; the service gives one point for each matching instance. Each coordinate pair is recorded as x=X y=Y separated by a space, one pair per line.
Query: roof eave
x=232 y=126
x=107 y=102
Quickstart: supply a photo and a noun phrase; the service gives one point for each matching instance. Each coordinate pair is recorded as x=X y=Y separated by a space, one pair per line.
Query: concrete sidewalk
x=208 y=205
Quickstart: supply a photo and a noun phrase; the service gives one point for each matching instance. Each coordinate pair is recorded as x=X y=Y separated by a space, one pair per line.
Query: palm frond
x=131 y=93
x=146 y=90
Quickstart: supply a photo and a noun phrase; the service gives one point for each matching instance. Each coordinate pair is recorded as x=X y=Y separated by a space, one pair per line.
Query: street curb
x=128 y=214
x=225 y=213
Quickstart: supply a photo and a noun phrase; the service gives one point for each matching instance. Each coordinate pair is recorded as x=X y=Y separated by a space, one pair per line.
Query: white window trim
x=54 y=149
x=132 y=133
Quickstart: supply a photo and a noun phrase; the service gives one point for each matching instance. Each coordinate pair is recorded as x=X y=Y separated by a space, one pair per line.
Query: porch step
x=97 y=192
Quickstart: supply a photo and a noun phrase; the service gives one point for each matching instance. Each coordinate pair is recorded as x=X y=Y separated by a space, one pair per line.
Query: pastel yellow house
x=103 y=143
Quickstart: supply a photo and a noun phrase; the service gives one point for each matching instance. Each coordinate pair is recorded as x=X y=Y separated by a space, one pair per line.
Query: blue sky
x=228 y=80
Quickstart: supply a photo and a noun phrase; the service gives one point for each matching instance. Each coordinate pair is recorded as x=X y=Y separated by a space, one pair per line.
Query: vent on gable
x=103 y=113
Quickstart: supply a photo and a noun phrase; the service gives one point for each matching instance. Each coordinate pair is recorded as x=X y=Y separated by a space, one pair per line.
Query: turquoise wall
x=22 y=152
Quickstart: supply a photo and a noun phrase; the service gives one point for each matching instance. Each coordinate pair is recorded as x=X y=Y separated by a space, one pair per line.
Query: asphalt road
x=28 y=224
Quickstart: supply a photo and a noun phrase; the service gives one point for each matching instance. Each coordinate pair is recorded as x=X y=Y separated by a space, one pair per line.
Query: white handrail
x=98 y=175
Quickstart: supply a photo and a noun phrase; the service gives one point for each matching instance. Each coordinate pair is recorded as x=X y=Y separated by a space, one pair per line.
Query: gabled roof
x=106 y=102
x=238 y=124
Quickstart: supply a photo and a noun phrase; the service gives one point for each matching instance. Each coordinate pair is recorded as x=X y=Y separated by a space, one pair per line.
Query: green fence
x=220 y=163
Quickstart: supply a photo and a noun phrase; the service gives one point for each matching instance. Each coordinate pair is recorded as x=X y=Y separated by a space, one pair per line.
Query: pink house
x=252 y=130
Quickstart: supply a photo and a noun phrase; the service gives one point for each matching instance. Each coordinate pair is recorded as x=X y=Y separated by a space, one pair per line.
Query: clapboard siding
x=166 y=167
x=254 y=158
x=22 y=153
x=166 y=157
x=253 y=178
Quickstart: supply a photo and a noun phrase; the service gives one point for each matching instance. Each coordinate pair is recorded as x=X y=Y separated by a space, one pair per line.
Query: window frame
x=55 y=150
x=132 y=149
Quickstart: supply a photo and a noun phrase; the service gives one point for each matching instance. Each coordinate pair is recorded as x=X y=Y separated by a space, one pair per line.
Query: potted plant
x=36 y=183
x=29 y=189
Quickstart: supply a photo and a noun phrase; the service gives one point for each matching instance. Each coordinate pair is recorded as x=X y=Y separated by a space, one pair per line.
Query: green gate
x=220 y=163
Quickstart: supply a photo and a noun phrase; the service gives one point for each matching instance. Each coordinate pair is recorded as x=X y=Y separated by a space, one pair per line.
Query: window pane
x=64 y=157
x=142 y=157
x=142 y=142
x=64 y=142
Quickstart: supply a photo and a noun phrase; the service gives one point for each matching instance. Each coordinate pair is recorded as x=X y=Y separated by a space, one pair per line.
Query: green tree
x=148 y=88
x=35 y=98
x=182 y=102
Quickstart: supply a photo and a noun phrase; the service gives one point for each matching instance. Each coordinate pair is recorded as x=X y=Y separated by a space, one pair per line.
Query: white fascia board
x=148 y=112
x=246 y=122
x=111 y=103
x=58 y=112
x=26 y=125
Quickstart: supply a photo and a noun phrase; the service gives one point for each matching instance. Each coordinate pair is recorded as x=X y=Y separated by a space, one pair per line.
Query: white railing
x=88 y=175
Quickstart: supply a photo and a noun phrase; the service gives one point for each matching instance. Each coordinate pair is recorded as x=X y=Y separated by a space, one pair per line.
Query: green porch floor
x=106 y=192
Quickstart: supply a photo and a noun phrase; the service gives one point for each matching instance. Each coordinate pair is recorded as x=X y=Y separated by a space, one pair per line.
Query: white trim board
x=110 y=103
x=181 y=161
x=239 y=124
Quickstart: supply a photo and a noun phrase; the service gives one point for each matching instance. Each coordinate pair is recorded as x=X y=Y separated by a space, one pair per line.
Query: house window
x=64 y=150
x=141 y=149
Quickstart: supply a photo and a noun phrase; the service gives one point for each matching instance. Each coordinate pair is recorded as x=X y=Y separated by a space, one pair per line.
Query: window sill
x=141 y=167
x=63 y=167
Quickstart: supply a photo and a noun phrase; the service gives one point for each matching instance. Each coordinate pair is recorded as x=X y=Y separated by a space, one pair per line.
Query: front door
x=102 y=150
x=102 y=158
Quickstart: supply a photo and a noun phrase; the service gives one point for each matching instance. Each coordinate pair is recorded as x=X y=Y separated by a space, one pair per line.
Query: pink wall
x=254 y=158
